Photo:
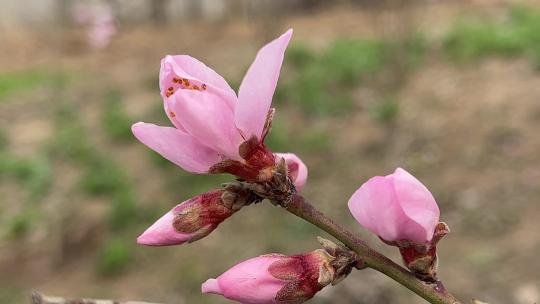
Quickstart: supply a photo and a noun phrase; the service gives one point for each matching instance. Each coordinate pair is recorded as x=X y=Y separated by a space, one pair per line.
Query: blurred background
x=449 y=90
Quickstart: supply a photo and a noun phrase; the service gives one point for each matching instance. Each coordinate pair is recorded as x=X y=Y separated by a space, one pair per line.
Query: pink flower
x=396 y=207
x=214 y=130
x=188 y=221
x=99 y=22
x=274 y=278
x=297 y=169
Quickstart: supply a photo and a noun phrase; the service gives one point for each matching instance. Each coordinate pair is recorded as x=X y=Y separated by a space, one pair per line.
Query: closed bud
x=196 y=217
x=275 y=278
x=403 y=213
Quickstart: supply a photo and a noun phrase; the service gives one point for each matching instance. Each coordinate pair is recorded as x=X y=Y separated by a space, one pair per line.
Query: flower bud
x=297 y=170
x=403 y=213
x=275 y=278
x=196 y=217
x=396 y=207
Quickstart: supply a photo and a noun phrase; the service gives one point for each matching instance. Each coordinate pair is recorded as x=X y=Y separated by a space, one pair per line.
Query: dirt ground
x=468 y=131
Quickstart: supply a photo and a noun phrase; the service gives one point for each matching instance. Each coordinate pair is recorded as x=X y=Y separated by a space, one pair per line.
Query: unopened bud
x=195 y=218
x=277 y=278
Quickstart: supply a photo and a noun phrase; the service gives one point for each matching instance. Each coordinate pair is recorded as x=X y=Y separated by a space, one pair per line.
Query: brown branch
x=38 y=298
x=434 y=293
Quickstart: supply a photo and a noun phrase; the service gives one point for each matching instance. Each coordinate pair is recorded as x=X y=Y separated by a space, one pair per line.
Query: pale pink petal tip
x=162 y=233
x=298 y=171
x=211 y=286
x=258 y=86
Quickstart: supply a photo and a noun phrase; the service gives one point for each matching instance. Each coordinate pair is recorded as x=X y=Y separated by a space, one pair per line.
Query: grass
x=103 y=177
x=26 y=81
x=385 y=111
x=114 y=258
x=123 y=211
x=322 y=82
x=519 y=34
x=33 y=173
x=21 y=224
x=116 y=122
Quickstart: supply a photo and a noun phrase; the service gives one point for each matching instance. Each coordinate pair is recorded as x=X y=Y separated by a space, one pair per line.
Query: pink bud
x=274 y=278
x=188 y=221
x=298 y=171
x=396 y=207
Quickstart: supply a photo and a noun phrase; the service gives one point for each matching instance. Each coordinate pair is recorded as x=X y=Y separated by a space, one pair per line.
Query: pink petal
x=258 y=86
x=162 y=233
x=248 y=282
x=183 y=66
x=211 y=286
x=208 y=118
x=417 y=203
x=375 y=207
x=298 y=171
x=176 y=146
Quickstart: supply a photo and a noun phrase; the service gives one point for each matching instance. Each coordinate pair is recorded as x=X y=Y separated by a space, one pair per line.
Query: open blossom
x=215 y=130
x=396 y=207
x=274 y=278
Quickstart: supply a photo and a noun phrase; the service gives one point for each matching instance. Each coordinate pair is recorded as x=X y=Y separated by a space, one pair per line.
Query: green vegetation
x=33 y=173
x=116 y=122
x=25 y=81
x=103 y=177
x=322 y=82
x=519 y=34
x=300 y=55
x=385 y=111
x=114 y=258
x=124 y=211
x=21 y=224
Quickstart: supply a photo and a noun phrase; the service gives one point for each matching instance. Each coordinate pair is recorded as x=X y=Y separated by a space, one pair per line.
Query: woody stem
x=432 y=292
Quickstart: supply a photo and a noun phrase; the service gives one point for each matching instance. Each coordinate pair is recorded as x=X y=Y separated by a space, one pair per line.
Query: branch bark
x=38 y=298
x=432 y=292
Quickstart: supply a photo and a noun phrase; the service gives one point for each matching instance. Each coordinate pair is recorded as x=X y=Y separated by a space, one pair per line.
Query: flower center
x=184 y=83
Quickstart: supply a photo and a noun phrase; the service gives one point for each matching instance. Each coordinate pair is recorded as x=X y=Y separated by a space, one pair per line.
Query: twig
x=433 y=292
x=38 y=298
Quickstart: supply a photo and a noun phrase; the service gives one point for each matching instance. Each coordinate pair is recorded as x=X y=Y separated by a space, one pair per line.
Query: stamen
x=171 y=113
x=203 y=86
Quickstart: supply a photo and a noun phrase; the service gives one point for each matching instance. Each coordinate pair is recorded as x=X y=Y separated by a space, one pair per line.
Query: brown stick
x=38 y=298
x=434 y=293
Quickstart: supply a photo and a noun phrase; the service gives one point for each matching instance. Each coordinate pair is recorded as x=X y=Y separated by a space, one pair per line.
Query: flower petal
x=207 y=118
x=248 y=282
x=258 y=86
x=375 y=207
x=417 y=203
x=162 y=233
x=176 y=146
x=182 y=71
x=298 y=171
